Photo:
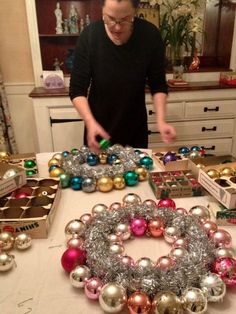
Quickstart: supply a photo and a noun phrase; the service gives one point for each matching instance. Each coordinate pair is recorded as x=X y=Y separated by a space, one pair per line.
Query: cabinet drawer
x=210 y=109
x=64 y=113
x=175 y=111
x=196 y=129
x=216 y=146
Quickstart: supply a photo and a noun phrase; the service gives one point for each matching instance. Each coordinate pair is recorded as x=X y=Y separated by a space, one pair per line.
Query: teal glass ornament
x=92 y=159
x=76 y=183
x=147 y=162
x=195 y=148
x=30 y=173
x=65 y=153
x=64 y=180
x=111 y=158
x=183 y=150
x=28 y=164
x=131 y=178
x=74 y=151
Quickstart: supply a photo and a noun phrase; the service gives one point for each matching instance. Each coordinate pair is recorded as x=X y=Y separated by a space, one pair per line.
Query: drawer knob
x=208 y=129
x=209 y=148
x=153 y=132
x=211 y=109
x=151 y=112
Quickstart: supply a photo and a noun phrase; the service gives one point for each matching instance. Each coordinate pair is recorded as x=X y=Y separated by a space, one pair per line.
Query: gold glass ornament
x=112 y=298
x=213 y=173
x=194 y=301
x=53 y=162
x=119 y=182
x=166 y=302
x=213 y=287
x=131 y=199
x=116 y=248
x=57 y=156
x=98 y=208
x=56 y=172
x=102 y=158
x=74 y=228
x=227 y=172
x=142 y=173
x=4 y=157
x=6 y=241
x=105 y=184
x=200 y=166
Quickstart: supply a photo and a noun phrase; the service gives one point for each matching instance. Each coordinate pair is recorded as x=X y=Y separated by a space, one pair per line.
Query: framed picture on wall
x=149 y=13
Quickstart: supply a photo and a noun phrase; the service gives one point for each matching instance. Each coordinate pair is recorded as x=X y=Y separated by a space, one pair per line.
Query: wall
x=17 y=71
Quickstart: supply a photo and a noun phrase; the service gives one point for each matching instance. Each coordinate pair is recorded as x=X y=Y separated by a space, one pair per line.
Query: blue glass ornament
x=111 y=158
x=195 y=148
x=147 y=162
x=76 y=183
x=53 y=167
x=92 y=159
x=168 y=157
x=65 y=153
x=131 y=178
x=183 y=150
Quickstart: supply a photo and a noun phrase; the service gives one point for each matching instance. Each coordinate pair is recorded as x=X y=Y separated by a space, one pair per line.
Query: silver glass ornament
x=23 y=241
x=112 y=298
x=166 y=302
x=98 y=208
x=213 y=287
x=6 y=261
x=224 y=252
x=171 y=234
x=201 y=212
x=131 y=199
x=6 y=241
x=116 y=248
x=75 y=228
x=123 y=231
x=89 y=185
x=194 y=301
x=145 y=262
x=79 y=276
x=178 y=252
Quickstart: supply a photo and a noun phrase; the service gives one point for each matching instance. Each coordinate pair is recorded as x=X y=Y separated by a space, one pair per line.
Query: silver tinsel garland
x=150 y=280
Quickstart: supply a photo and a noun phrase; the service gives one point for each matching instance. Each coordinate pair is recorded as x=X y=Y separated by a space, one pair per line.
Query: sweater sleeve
x=81 y=72
x=156 y=72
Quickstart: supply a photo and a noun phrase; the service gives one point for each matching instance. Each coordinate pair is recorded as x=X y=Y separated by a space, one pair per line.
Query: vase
x=70 y=59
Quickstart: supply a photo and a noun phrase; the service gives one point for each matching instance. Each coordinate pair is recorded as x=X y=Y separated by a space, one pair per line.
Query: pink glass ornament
x=75 y=242
x=225 y=267
x=165 y=262
x=73 y=257
x=21 y=195
x=181 y=210
x=156 y=227
x=166 y=202
x=138 y=226
x=115 y=206
x=149 y=203
x=92 y=288
x=180 y=242
x=221 y=238
x=86 y=218
x=127 y=260
x=210 y=227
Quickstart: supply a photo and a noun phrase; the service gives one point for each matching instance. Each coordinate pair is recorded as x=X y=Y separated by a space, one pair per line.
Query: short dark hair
x=135 y=3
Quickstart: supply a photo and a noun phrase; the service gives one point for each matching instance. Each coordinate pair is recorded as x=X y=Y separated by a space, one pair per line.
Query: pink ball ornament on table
x=166 y=202
x=181 y=211
x=165 y=262
x=221 y=238
x=210 y=227
x=127 y=260
x=138 y=226
x=86 y=218
x=149 y=203
x=73 y=257
x=225 y=267
x=93 y=287
x=156 y=227
x=115 y=206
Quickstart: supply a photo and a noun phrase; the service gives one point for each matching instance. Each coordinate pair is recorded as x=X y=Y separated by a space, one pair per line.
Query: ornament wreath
x=196 y=271
x=116 y=167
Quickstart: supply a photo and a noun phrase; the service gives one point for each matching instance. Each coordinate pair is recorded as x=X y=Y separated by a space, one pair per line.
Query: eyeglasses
x=110 y=22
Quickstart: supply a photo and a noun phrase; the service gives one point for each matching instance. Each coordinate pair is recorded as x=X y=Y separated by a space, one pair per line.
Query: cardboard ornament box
x=222 y=215
x=34 y=213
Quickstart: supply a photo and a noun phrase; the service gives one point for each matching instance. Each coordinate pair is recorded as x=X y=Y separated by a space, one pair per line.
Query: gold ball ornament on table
x=167 y=302
x=213 y=173
x=227 y=172
x=54 y=162
x=4 y=156
x=56 y=172
x=112 y=298
x=105 y=184
x=119 y=182
x=142 y=173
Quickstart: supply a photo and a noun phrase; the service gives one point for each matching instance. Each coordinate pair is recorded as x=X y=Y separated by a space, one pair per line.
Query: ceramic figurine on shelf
x=73 y=20
x=87 y=20
x=57 y=64
x=66 y=26
x=58 y=14
x=194 y=66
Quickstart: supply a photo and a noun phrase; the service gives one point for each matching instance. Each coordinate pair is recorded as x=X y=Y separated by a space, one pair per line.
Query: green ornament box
x=222 y=215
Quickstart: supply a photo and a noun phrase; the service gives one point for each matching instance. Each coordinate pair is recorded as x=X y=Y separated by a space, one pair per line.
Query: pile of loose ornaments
x=196 y=271
x=114 y=168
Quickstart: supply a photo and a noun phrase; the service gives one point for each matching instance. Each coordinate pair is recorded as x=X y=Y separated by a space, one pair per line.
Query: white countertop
x=40 y=285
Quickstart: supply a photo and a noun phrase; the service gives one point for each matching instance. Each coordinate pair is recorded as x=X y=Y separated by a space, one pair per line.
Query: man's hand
x=168 y=133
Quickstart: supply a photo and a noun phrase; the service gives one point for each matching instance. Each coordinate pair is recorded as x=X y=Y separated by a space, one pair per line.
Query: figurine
x=58 y=14
x=87 y=20
x=73 y=20
x=194 y=66
x=57 y=64
x=66 y=26
x=81 y=25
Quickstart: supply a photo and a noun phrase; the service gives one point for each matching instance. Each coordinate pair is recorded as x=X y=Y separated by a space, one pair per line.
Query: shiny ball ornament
x=23 y=241
x=171 y=234
x=115 y=206
x=64 y=180
x=21 y=194
x=227 y=172
x=118 y=182
x=123 y=230
x=225 y=267
x=195 y=148
x=86 y=218
x=194 y=154
x=149 y=203
x=142 y=173
x=131 y=199
x=74 y=228
x=6 y=241
x=200 y=166
x=156 y=227
x=75 y=242
x=102 y=157
x=30 y=163
x=169 y=157
x=139 y=303
x=183 y=150
x=116 y=248
x=166 y=202
x=165 y=262
x=79 y=275
x=88 y=185
x=180 y=242
x=178 y=253
x=213 y=173
x=76 y=183
x=56 y=172
x=71 y=258
x=222 y=238
x=53 y=167
x=4 y=157
x=213 y=287
x=65 y=154
x=194 y=301
x=131 y=178
x=116 y=162
x=145 y=262
x=74 y=151
x=181 y=211
x=166 y=302
x=105 y=184
x=98 y=208
x=92 y=288
x=209 y=226
x=146 y=162
x=52 y=162
x=200 y=212
x=57 y=156
x=6 y=261
x=9 y=174
x=112 y=298
x=224 y=252
x=127 y=260
x=111 y=158
x=92 y=159
x=138 y=226
x=114 y=238
x=31 y=172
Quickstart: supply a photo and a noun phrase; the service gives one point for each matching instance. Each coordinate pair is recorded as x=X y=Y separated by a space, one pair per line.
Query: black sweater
x=118 y=75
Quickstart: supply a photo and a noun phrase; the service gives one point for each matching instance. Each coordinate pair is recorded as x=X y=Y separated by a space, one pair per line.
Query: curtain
x=7 y=139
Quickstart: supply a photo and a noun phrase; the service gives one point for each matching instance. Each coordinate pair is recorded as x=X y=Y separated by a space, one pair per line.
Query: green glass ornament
x=74 y=151
x=131 y=178
x=64 y=180
x=30 y=173
x=104 y=144
x=147 y=162
x=28 y=164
